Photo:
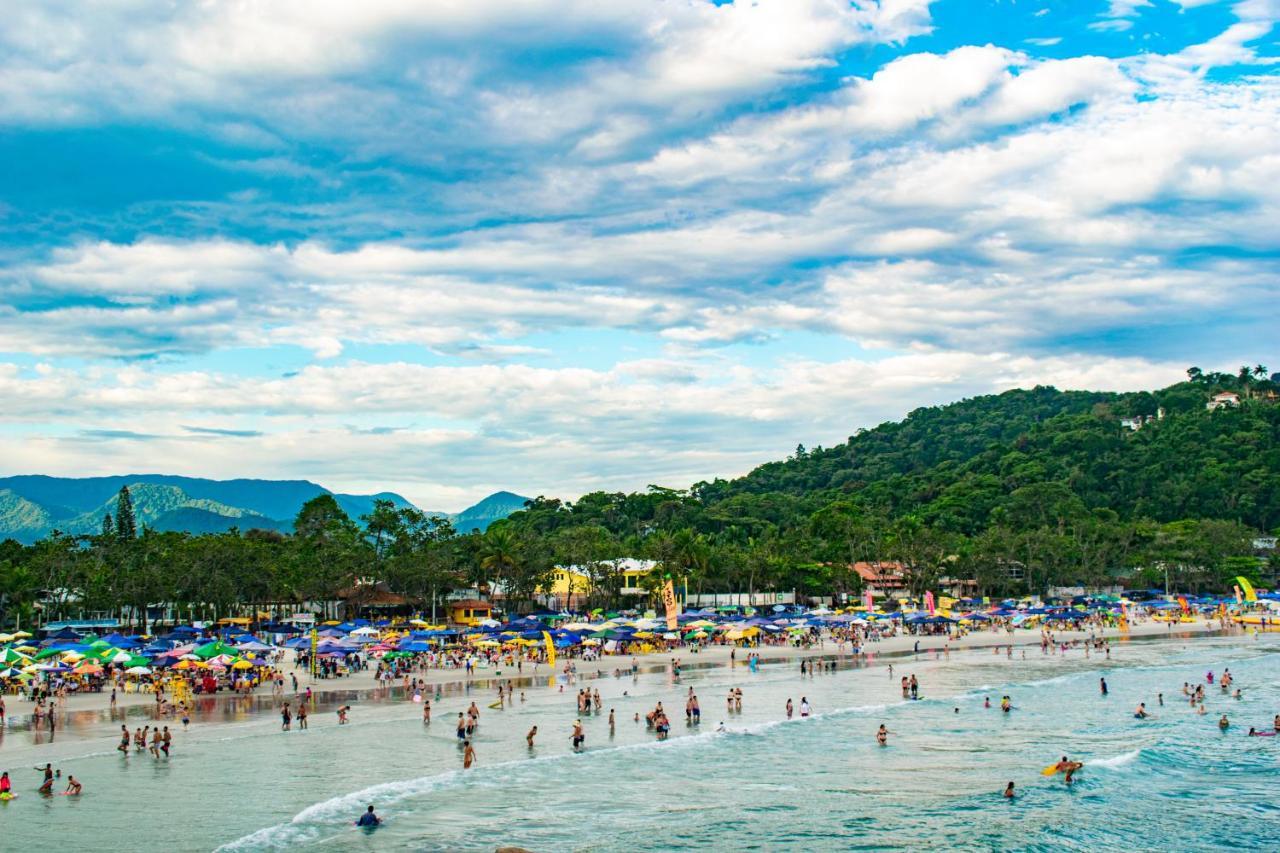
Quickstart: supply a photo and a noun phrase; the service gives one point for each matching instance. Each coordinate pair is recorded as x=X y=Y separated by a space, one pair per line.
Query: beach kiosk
x=470 y=612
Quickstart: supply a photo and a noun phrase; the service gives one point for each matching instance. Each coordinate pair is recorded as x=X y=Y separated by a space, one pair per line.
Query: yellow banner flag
x=1249 y=594
x=551 y=652
x=673 y=606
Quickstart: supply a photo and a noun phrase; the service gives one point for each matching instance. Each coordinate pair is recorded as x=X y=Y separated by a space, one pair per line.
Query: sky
x=444 y=248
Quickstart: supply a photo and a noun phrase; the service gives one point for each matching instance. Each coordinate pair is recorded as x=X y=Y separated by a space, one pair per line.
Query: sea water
x=1175 y=782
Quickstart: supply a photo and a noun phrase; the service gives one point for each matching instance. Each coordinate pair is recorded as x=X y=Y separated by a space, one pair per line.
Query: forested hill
x=959 y=466
x=1038 y=459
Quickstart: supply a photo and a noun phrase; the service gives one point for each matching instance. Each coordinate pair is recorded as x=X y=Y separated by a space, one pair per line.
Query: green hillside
x=1014 y=489
x=22 y=519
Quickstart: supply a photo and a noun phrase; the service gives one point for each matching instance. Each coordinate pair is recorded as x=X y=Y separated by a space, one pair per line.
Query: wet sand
x=89 y=717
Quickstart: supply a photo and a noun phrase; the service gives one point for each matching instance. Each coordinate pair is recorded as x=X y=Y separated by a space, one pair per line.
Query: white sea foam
x=1115 y=760
x=308 y=824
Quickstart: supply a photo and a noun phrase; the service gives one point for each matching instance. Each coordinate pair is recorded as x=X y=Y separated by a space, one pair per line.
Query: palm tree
x=498 y=555
x=1260 y=371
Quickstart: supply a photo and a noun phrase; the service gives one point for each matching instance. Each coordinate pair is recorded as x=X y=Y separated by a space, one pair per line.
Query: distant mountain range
x=32 y=506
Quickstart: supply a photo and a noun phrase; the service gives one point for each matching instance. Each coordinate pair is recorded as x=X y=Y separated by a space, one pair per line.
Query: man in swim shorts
x=47 y=787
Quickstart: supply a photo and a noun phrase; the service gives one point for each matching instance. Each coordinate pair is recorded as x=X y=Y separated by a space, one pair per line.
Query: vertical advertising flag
x=928 y=602
x=868 y=602
x=315 y=642
x=551 y=652
x=1249 y=593
x=670 y=603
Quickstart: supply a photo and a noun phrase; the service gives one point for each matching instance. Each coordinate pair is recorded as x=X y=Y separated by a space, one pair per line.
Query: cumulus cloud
x=590 y=236
x=464 y=430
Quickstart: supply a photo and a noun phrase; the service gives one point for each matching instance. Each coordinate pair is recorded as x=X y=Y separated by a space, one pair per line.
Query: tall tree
x=126 y=525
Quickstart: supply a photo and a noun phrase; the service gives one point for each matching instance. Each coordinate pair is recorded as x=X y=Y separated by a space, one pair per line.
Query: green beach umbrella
x=213 y=649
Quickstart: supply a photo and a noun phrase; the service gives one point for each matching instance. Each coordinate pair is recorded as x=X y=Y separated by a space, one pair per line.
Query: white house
x=1223 y=399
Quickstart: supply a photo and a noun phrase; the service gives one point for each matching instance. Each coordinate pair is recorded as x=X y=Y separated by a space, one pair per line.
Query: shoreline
x=88 y=717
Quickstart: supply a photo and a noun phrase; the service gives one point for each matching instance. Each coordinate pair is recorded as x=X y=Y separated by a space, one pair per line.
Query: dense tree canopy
x=1018 y=491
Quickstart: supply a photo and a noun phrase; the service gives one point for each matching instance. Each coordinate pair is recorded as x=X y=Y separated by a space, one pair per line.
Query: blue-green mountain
x=34 y=505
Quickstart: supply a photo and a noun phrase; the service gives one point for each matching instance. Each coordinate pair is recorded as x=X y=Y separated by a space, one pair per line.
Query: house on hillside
x=882 y=578
x=1136 y=422
x=1222 y=400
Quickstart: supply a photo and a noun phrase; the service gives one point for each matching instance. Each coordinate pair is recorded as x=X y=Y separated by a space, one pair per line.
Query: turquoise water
x=1174 y=782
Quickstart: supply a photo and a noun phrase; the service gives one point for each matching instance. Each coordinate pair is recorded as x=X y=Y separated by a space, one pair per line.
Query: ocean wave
x=1115 y=761
x=310 y=823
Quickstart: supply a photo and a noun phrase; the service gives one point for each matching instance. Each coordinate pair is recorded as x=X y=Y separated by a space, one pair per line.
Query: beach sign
x=671 y=604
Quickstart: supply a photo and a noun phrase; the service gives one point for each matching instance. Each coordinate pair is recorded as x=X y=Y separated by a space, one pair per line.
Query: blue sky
x=450 y=248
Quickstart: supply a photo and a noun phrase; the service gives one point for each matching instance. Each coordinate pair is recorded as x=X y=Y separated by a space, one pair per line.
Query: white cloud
x=537 y=431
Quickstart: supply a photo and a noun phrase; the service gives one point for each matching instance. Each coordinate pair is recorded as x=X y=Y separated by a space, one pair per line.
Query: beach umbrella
x=88 y=668
x=213 y=650
x=137 y=670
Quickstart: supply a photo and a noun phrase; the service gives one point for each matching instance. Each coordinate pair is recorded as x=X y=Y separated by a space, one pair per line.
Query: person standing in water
x=789 y=708
x=533 y=732
x=369 y=818
x=47 y=787
x=468 y=755
x=882 y=735
x=1102 y=685
x=1008 y=791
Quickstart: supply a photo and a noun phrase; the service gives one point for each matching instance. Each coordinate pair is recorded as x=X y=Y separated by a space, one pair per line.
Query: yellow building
x=571 y=584
x=470 y=612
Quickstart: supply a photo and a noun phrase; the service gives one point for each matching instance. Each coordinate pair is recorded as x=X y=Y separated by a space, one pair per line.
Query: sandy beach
x=89 y=716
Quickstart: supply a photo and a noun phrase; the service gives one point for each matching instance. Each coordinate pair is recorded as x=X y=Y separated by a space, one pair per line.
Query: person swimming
x=1068 y=768
x=1008 y=791
x=368 y=818
x=1224 y=723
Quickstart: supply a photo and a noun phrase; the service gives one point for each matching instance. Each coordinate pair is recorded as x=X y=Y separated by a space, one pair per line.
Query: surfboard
x=4 y=798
